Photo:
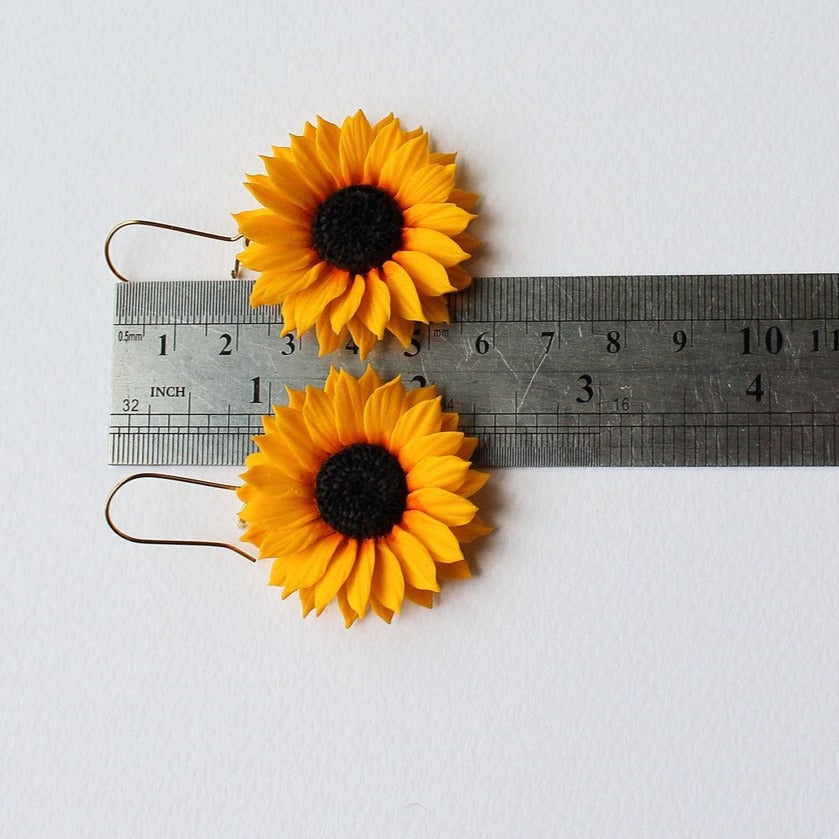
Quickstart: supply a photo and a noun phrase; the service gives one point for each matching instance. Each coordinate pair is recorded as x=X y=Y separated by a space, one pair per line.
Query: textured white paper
x=642 y=653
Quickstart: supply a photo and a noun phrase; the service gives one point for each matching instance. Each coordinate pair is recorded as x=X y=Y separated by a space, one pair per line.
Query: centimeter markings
x=714 y=370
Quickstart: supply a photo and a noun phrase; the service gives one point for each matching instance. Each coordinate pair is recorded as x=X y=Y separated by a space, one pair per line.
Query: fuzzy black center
x=358 y=228
x=361 y=491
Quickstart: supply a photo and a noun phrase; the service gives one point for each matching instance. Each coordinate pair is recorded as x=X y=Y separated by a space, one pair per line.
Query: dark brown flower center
x=358 y=228
x=361 y=491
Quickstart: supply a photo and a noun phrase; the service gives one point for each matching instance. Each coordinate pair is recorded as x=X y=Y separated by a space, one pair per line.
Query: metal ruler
x=722 y=370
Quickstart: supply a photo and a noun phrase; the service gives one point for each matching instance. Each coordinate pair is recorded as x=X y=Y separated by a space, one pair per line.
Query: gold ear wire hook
x=161 y=225
x=148 y=541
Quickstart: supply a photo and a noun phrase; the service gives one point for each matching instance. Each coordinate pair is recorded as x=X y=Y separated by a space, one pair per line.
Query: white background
x=643 y=653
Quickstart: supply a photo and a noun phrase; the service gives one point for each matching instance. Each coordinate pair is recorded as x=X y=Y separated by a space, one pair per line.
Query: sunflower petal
x=278 y=572
x=326 y=142
x=273 y=476
x=430 y=185
x=296 y=398
x=388 y=584
x=437 y=245
x=284 y=152
x=344 y=307
x=422 y=419
x=307 y=600
x=475 y=481
x=319 y=419
x=402 y=329
x=454 y=571
x=356 y=136
x=368 y=382
x=414 y=560
x=447 y=507
x=274 y=542
x=445 y=472
x=350 y=615
x=331 y=380
x=310 y=166
x=349 y=409
x=469 y=532
x=382 y=411
x=403 y=162
x=404 y=299
x=459 y=277
x=386 y=120
x=306 y=306
x=419 y=394
x=386 y=141
x=288 y=182
x=336 y=574
x=382 y=611
x=420 y=596
x=295 y=203
x=304 y=569
x=328 y=341
x=360 y=578
x=294 y=255
x=428 y=274
x=440 y=443
x=272 y=287
x=294 y=437
x=290 y=542
x=463 y=198
x=444 y=218
x=266 y=226
x=374 y=309
x=284 y=512
x=438 y=540
x=468 y=446
x=466 y=241
x=283 y=464
x=436 y=309
x=364 y=339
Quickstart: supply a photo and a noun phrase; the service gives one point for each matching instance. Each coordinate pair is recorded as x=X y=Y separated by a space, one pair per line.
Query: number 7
x=550 y=337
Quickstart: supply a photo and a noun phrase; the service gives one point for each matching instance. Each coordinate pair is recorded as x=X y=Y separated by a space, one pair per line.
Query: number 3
x=585 y=382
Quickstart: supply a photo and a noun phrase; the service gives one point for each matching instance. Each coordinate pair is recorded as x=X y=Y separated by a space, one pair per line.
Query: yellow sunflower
x=360 y=492
x=362 y=232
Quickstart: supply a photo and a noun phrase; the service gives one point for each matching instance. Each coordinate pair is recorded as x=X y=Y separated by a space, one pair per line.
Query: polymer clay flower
x=362 y=232
x=360 y=492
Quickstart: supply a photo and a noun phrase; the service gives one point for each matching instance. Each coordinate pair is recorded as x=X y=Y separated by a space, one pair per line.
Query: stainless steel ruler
x=717 y=370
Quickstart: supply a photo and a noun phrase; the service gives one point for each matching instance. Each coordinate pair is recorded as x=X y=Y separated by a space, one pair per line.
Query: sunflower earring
x=362 y=231
x=360 y=493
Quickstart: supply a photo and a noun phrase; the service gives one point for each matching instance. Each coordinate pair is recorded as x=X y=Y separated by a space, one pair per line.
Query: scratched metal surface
x=715 y=370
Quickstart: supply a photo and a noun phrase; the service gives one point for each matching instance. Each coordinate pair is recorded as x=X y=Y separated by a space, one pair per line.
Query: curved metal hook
x=161 y=225
x=148 y=541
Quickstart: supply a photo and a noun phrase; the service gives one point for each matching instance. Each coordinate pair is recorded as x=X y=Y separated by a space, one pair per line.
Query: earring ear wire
x=142 y=540
x=162 y=226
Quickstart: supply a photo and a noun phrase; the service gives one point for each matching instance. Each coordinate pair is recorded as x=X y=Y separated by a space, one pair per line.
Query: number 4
x=756 y=388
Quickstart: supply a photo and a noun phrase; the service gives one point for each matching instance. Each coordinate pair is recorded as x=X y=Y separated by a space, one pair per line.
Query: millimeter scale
x=700 y=370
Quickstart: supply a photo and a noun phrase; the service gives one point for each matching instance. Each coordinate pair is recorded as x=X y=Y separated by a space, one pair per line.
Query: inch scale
x=708 y=370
